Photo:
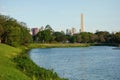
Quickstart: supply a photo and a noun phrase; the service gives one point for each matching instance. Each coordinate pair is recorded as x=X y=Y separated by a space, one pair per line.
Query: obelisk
x=82 y=23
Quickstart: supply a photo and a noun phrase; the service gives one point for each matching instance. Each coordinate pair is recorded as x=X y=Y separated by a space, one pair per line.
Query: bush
x=15 y=44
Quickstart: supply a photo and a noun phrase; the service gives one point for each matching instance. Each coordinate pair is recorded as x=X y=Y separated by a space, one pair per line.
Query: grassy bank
x=56 y=45
x=8 y=70
x=106 y=44
x=16 y=65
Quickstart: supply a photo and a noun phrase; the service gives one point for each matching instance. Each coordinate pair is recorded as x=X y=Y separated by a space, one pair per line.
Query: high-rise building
x=82 y=23
x=34 y=31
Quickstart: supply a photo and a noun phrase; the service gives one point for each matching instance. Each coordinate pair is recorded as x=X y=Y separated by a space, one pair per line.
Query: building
x=42 y=28
x=82 y=23
x=68 y=32
x=73 y=31
x=34 y=31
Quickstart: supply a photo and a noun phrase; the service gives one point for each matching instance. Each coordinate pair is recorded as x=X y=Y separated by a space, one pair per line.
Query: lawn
x=8 y=70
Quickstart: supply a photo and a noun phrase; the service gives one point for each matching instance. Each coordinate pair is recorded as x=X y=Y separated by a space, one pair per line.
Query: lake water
x=89 y=63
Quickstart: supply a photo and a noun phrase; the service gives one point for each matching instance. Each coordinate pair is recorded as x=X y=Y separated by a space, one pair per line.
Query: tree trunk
x=0 y=41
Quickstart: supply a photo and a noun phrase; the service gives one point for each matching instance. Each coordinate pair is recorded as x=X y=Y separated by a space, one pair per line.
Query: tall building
x=82 y=23
x=34 y=31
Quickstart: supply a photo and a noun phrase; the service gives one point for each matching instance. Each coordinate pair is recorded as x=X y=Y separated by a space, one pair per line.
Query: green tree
x=1 y=32
x=13 y=32
x=25 y=36
x=44 y=36
x=48 y=27
x=103 y=36
x=85 y=37
x=78 y=38
x=93 y=38
x=72 y=39
x=117 y=37
x=59 y=36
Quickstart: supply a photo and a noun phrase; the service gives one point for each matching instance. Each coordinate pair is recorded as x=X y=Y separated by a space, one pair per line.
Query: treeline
x=13 y=32
x=48 y=35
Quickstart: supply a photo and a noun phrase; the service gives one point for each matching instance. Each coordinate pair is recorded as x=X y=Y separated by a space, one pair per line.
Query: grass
x=8 y=70
x=15 y=64
x=38 y=45
x=27 y=66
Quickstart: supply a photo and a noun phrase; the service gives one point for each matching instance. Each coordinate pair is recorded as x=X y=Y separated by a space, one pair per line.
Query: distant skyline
x=103 y=15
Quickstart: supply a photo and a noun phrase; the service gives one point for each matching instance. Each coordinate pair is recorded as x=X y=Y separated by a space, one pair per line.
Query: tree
x=117 y=37
x=44 y=36
x=1 y=32
x=72 y=39
x=85 y=37
x=13 y=32
x=78 y=38
x=93 y=38
x=48 y=27
x=59 y=36
x=25 y=36
x=103 y=36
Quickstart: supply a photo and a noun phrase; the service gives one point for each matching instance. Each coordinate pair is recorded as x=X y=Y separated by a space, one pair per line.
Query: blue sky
x=62 y=14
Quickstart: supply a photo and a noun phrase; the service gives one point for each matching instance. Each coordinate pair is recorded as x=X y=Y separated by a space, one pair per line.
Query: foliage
x=83 y=37
x=48 y=27
x=59 y=36
x=117 y=37
x=13 y=32
x=32 y=70
x=1 y=31
x=44 y=36
x=72 y=39
x=103 y=36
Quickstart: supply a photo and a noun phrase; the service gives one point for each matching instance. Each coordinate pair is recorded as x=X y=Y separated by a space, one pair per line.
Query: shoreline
x=68 y=45
x=25 y=67
x=23 y=61
x=16 y=64
x=28 y=67
x=58 y=45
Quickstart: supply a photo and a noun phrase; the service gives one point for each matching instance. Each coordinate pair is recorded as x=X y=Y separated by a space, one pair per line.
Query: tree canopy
x=13 y=32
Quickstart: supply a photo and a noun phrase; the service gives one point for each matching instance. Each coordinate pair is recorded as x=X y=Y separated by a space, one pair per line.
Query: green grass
x=15 y=64
x=8 y=70
x=28 y=67
x=52 y=45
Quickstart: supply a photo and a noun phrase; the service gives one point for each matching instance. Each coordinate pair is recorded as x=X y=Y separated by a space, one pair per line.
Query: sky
x=102 y=15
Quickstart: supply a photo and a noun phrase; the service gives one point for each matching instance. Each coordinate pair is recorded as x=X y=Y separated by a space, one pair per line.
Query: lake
x=88 y=63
